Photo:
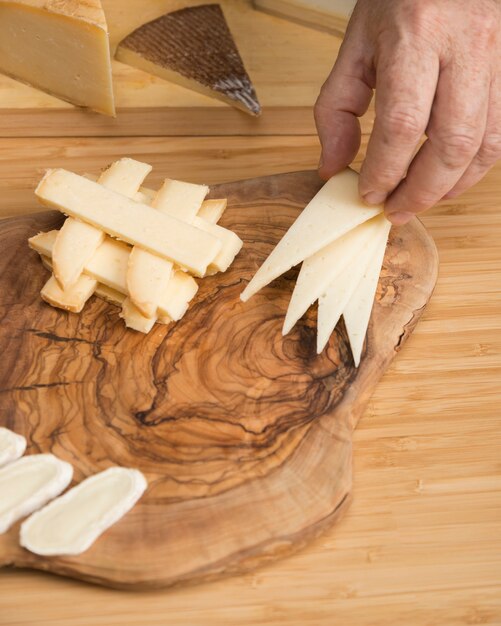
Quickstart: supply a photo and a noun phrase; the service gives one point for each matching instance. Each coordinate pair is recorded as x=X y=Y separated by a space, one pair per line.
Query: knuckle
x=423 y=18
x=455 y=146
x=382 y=178
x=490 y=151
x=403 y=123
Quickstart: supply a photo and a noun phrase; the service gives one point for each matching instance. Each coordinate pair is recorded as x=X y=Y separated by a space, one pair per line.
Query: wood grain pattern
x=225 y=424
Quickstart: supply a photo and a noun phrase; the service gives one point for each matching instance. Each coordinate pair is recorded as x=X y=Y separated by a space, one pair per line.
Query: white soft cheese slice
x=357 y=312
x=109 y=267
x=12 y=446
x=70 y=524
x=335 y=210
x=135 y=223
x=72 y=298
x=77 y=241
x=337 y=295
x=319 y=270
x=28 y=484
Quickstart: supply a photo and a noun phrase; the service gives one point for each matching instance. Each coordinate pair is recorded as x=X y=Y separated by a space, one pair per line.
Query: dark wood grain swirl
x=244 y=436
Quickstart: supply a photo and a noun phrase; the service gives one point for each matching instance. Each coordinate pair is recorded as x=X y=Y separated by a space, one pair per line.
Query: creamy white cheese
x=70 y=524
x=12 y=446
x=28 y=484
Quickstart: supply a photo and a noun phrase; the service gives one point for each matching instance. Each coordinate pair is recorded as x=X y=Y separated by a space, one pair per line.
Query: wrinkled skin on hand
x=436 y=68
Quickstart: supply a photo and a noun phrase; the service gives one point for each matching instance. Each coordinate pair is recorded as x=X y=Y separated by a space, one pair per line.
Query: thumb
x=344 y=97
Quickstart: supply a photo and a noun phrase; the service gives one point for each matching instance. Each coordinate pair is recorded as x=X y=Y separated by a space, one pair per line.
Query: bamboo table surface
x=421 y=543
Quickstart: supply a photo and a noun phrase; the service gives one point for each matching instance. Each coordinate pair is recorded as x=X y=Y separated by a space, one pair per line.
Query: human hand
x=436 y=68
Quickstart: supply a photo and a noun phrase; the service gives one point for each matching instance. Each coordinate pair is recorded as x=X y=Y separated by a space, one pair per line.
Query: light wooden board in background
x=287 y=63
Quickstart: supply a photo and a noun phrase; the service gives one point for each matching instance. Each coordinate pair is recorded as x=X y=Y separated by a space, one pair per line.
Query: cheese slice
x=337 y=295
x=212 y=210
x=148 y=275
x=231 y=245
x=77 y=241
x=179 y=199
x=329 y=15
x=147 y=278
x=59 y=46
x=29 y=483
x=194 y=48
x=112 y=296
x=357 y=312
x=72 y=299
x=12 y=446
x=335 y=210
x=70 y=524
x=109 y=267
x=134 y=318
x=320 y=270
x=138 y=224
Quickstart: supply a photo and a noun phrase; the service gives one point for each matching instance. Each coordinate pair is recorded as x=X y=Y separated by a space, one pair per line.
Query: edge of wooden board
x=154 y=122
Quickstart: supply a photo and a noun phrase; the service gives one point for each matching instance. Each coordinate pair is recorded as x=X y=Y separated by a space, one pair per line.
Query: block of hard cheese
x=59 y=46
x=334 y=211
x=194 y=48
x=133 y=222
x=329 y=15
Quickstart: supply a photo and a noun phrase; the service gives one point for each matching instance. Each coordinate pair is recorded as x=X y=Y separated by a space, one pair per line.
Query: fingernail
x=321 y=161
x=398 y=219
x=374 y=197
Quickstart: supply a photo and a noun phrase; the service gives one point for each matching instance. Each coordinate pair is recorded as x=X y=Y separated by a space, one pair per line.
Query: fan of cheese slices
x=134 y=247
x=341 y=244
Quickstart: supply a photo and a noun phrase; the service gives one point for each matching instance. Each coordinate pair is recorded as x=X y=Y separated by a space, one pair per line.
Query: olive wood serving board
x=244 y=436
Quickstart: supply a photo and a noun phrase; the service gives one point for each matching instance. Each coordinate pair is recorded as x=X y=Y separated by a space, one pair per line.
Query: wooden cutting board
x=244 y=436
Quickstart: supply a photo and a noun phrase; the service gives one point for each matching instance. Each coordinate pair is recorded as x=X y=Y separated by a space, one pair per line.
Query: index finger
x=405 y=88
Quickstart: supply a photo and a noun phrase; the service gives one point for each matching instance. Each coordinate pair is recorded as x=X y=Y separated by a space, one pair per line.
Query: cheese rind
x=321 y=269
x=29 y=483
x=334 y=300
x=61 y=47
x=135 y=223
x=12 y=446
x=335 y=210
x=70 y=524
x=357 y=312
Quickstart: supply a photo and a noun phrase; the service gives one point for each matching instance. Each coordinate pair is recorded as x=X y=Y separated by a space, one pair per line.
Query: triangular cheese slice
x=334 y=211
x=357 y=312
x=59 y=46
x=320 y=270
x=337 y=295
x=194 y=48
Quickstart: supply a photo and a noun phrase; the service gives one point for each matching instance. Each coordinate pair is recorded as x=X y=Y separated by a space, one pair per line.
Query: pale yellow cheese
x=77 y=241
x=72 y=299
x=134 y=318
x=179 y=199
x=138 y=224
x=147 y=278
x=231 y=245
x=109 y=267
x=212 y=210
x=59 y=46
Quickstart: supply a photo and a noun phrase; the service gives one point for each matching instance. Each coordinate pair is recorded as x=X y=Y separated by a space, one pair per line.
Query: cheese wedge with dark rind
x=194 y=48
